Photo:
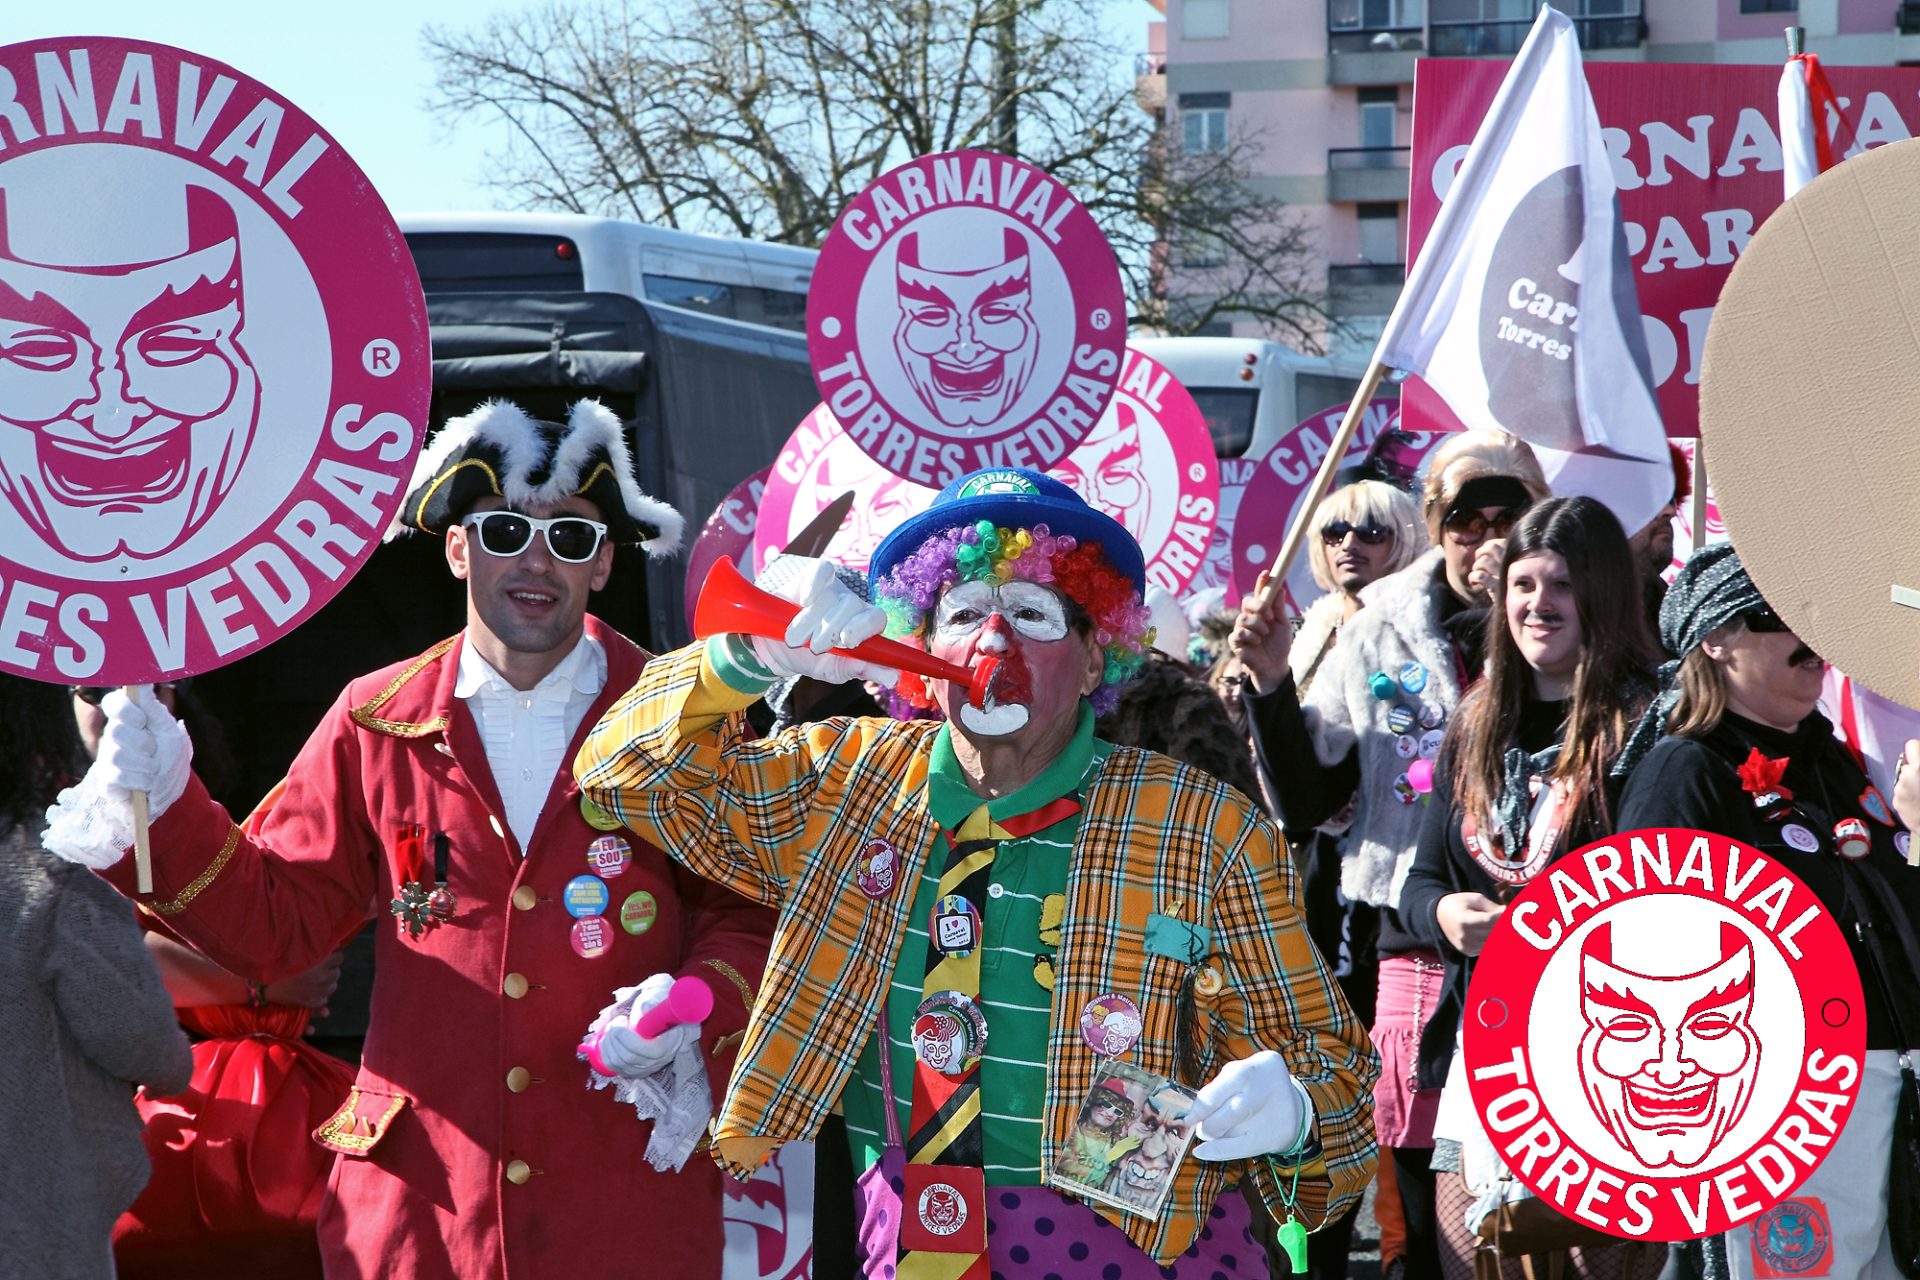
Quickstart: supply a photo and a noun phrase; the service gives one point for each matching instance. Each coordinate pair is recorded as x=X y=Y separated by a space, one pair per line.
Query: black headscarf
x=1711 y=590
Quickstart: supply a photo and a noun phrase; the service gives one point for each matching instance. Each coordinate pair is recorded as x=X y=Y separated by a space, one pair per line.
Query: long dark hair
x=39 y=747
x=1610 y=686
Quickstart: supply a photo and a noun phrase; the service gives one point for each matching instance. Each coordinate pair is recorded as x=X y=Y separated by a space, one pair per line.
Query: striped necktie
x=945 y=1201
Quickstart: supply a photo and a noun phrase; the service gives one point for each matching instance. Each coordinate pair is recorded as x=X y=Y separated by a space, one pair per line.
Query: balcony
x=1357 y=174
x=1150 y=82
x=1503 y=39
x=1373 y=55
x=1364 y=288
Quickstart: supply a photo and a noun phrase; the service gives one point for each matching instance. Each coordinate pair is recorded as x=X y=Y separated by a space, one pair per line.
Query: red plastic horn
x=730 y=605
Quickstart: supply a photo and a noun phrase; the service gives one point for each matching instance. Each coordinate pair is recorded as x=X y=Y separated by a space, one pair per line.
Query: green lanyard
x=1292 y=1235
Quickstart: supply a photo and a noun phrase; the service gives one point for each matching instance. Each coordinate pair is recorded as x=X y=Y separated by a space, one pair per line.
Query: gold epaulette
x=367 y=716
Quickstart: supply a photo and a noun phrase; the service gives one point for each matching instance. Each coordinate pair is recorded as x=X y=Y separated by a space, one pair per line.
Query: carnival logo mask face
x=1109 y=470
x=126 y=401
x=966 y=338
x=1668 y=1062
x=936 y=1039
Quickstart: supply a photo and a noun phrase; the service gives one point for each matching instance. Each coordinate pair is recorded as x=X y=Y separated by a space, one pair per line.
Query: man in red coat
x=437 y=793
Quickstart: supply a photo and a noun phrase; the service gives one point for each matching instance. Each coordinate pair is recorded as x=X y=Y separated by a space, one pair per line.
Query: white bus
x=745 y=280
x=1251 y=391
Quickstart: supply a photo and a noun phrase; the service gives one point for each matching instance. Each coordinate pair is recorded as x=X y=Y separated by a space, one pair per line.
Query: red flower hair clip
x=1762 y=776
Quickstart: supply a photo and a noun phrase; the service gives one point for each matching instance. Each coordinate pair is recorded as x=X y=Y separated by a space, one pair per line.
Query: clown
x=1009 y=803
x=127 y=402
x=1668 y=1059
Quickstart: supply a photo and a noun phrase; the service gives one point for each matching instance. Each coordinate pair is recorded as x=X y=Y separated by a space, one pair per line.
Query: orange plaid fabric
x=787 y=821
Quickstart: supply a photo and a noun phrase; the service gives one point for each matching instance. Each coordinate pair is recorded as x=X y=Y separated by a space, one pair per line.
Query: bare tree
x=764 y=118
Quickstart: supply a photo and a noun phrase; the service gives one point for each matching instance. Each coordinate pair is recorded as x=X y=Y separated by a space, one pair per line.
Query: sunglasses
x=1336 y=533
x=573 y=539
x=1467 y=523
x=1764 y=620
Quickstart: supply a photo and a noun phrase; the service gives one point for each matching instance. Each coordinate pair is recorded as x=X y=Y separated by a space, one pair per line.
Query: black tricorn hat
x=499 y=451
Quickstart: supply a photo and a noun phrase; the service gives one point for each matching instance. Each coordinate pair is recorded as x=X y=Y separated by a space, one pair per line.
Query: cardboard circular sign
x=966 y=312
x=1664 y=1034
x=1281 y=480
x=727 y=534
x=1812 y=333
x=214 y=367
x=1149 y=464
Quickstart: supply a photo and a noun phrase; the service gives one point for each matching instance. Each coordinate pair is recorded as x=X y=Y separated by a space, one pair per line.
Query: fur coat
x=1400 y=623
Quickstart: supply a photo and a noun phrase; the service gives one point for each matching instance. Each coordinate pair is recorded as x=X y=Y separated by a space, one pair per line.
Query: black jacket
x=1442 y=865
x=1694 y=782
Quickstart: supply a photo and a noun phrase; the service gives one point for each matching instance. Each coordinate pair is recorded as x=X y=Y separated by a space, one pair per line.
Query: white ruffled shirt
x=526 y=732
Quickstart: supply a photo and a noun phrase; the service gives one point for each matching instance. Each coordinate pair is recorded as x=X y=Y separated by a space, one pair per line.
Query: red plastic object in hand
x=730 y=605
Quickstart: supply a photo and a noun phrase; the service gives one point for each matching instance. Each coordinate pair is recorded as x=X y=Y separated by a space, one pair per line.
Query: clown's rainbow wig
x=981 y=552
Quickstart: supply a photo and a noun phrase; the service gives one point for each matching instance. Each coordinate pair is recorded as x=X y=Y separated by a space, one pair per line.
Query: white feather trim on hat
x=522 y=447
x=589 y=423
x=502 y=422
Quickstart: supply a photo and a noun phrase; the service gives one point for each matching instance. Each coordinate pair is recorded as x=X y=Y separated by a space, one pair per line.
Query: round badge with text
x=609 y=856
x=585 y=896
x=949 y=1032
x=214 y=364
x=590 y=937
x=966 y=312
x=1664 y=1034
x=638 y=912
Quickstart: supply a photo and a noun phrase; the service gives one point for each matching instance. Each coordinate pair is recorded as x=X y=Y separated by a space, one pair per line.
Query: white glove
x=832 y=616
x=626 y=1053
x=143 y=748
x=1253 y=1107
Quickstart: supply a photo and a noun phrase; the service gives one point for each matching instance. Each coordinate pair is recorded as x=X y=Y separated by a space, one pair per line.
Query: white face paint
x=996 y=720
x=1036 y=612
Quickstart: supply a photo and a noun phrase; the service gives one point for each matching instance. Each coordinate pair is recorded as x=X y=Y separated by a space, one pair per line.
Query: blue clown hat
x=1013 y=498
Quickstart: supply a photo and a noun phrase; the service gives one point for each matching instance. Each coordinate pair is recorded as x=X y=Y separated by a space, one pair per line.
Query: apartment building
x=1324 y=90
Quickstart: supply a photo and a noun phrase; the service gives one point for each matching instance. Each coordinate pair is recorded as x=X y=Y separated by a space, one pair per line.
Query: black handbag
x=1903 y=1171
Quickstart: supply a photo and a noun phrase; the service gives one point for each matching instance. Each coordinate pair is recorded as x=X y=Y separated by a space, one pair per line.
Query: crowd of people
x=1103 y=961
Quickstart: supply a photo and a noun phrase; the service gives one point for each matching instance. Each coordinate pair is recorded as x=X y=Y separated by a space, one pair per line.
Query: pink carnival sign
x=1281 y=480
x=214 y=367
x=1216 y=571
x=966 y=312
x=819 y=462
x=1696 y=158
x=727 y=534
x=1148 y=463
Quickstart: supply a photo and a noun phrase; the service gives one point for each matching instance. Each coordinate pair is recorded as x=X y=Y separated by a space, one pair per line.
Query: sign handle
x=1697 y=495
x=142 y=846
x=1322 y=481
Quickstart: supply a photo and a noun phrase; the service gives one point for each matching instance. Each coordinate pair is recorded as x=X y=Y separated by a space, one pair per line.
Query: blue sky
x=356 y=67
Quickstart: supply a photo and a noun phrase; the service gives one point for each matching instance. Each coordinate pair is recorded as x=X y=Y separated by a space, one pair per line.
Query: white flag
x=1805 y=149
x=1521 y=311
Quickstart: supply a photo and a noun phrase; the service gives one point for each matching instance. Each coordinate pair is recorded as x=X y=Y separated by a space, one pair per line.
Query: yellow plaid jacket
x=786 y=820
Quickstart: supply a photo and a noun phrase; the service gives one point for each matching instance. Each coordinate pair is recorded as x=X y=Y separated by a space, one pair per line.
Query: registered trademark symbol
x=381 y=357
x=1100 y=318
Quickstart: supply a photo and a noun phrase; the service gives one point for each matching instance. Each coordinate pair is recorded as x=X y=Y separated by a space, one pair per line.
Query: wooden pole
x=1322 y=481
x=1697 y=496
x=142 y=846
